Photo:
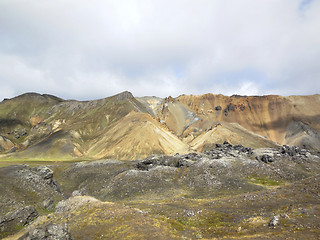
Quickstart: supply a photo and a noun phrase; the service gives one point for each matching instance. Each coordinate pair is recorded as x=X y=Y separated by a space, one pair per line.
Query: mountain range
x=125 y=127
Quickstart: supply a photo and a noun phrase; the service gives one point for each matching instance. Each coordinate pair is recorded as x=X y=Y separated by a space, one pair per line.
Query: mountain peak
x=123 y=96
x=37 y=97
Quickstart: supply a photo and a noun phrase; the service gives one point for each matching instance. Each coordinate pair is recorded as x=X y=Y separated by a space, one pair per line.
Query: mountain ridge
x=31 y=122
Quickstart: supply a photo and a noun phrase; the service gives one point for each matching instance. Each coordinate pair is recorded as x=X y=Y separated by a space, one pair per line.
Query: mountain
x=272 y=117
x=135 y=136
x=124 y=127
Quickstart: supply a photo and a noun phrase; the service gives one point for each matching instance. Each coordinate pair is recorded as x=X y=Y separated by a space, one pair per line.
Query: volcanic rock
x=48 y=232
x=22 y=217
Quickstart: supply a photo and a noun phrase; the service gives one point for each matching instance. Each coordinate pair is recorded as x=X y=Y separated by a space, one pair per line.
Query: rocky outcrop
x=177 y=161
x=293 y=151
x=227 y=149
x=230 y=108
x=45 y=172
x=49 y=232
x=265 y=158
x=19 y=132
x=20 y=217
x=40 y=177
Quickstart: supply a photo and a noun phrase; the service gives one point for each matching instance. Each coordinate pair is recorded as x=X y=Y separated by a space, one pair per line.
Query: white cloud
x=90 y=49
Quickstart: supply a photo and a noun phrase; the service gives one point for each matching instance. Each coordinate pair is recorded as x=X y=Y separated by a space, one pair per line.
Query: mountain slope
x=137 y=135
x=268 y=116
x=232 y=133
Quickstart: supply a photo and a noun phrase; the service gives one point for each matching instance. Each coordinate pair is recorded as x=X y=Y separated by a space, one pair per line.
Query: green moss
x=265 y=181
x=15 y=228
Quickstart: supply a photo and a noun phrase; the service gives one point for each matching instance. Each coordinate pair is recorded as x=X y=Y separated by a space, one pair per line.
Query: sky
x=90 y=49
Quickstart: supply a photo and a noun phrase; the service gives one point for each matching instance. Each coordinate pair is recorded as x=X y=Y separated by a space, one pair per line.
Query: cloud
x=92 y=49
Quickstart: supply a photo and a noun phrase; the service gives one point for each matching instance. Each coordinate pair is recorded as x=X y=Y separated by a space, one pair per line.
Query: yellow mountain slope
x=135 y=136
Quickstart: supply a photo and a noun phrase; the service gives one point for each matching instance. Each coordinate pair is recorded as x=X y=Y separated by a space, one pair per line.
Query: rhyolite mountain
x=127 y=127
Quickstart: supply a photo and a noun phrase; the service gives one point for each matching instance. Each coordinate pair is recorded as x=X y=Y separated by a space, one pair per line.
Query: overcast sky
x=88 y=49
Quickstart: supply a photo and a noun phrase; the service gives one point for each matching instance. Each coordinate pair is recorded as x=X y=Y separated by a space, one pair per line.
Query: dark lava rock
x=22 y=217
x=176 y=161
x=45 y=172
x=295 y=152
x=154 y=160
x=17 y=133
x=291 y=151
x=48 y=232
x=227 y=149
x=229 y=108
x=243 y=149
x=46 y=176
x=218 y=108
x=265 y=158
x=192 y=156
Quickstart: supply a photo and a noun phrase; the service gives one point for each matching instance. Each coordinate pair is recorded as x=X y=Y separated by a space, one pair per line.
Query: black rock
x=265 y=158
x=44 y=172
x=218 y=108
x=227 y=149
x=227 y=144
x=162 y=160
x=229 y=108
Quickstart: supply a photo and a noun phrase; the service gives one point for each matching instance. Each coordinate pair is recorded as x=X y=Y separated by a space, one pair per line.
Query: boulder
x=265 y=158
x=44 y=172
x=218 y=108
